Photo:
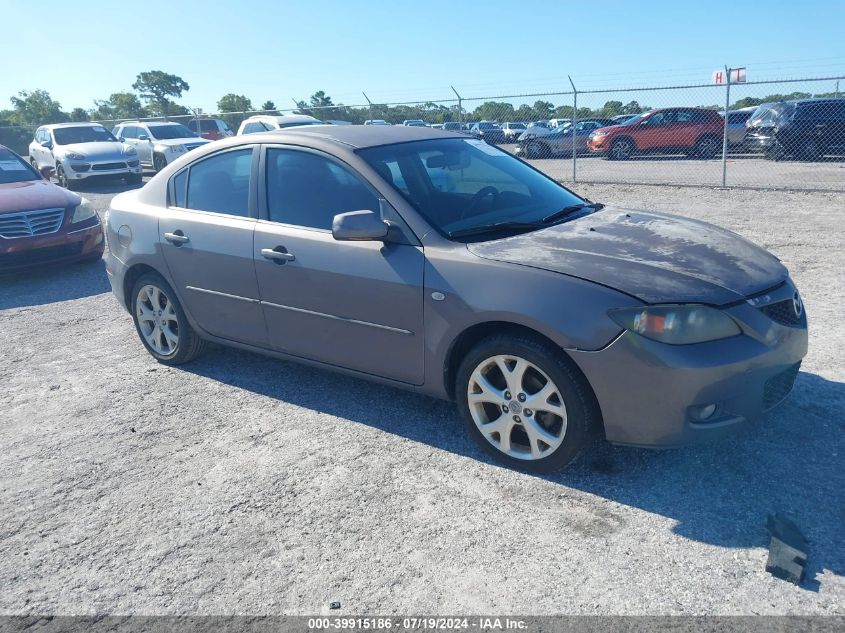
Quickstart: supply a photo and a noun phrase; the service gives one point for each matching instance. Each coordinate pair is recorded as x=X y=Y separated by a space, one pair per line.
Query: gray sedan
x=431 y=261
x=559 y=142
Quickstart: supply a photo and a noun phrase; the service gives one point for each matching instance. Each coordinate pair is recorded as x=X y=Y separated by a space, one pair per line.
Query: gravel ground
x=242 y=484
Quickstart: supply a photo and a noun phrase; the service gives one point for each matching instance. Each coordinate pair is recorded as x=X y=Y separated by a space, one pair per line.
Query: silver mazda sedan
x=429 y=260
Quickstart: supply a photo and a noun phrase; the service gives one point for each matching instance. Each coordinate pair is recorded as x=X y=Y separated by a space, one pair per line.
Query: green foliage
x=268 y=106
x=78 y=114
x=36 y=108
x=120 y=105
x=155 y=86
x=234 y=103
x=754 y=101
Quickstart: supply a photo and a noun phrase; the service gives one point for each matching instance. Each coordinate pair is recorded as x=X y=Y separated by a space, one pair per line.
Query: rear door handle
x=178 y=238
x=279 y=254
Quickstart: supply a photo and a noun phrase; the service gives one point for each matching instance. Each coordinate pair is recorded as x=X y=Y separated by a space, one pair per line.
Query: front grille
x=109 y=166
x=782 y=312
x=39 y=255
x=31 y=223
x=778 y=386
x=79 y=166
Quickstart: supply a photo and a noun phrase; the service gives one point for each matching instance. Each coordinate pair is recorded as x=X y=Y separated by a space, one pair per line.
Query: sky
x=399 y=51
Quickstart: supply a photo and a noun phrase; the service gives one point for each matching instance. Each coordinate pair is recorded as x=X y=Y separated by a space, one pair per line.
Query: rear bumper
x=650 y=393
x=62 y=247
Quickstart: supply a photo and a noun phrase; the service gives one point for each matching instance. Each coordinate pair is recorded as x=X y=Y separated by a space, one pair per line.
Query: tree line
x=154 y=91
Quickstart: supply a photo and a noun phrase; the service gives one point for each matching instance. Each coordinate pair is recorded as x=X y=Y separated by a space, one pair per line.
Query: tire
x=569 y=421
x=187 y=345
x=706 y=147
x=621 y=149
x=159 y=162
x=537 y=149
x=64 y=181
x=809 y=150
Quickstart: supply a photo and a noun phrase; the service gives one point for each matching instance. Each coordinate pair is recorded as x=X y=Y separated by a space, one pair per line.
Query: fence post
x=574 y=121
x=370 y=104
x=725 y=131
x=460 y=116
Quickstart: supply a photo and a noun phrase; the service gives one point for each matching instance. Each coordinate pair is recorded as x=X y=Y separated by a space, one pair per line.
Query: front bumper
x=649 y=392
x=82 y=169
x=599 y=146
x=68 y=245
x=759 y=143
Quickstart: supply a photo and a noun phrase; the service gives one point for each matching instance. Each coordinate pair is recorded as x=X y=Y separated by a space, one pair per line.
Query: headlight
x=597 y=134
x=129 y=151
x=83 y=211
x=677 y=324
x=75 y=156
x=177 y=149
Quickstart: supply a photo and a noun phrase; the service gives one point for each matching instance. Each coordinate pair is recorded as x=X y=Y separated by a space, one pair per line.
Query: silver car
x=80 y=151
x=547 y=317
x=559 y=142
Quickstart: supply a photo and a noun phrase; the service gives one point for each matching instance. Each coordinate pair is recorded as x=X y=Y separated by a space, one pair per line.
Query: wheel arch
x=132 y=275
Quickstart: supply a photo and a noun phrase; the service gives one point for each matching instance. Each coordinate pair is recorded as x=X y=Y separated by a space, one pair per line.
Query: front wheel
x=159 y=162
x=622 y=149
x=537 y=149
x=525 y=404
x=161 y=323
x=64 y=181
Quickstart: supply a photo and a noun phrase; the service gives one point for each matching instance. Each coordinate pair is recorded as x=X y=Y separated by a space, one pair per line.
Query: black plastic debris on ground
x=334 y=605
x=787 y=550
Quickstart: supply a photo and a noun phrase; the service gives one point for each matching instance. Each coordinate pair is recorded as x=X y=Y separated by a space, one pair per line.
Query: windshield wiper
x=492 y=228
x=572 y=208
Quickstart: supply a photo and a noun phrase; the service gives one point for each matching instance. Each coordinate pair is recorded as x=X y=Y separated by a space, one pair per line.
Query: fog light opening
x=702 y=413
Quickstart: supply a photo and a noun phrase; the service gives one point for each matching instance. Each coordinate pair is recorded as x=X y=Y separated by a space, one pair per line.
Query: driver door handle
x=279 y=256
x=177 y=238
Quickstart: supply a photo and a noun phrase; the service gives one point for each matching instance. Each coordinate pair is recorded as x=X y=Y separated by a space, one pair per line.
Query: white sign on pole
x=737 y=76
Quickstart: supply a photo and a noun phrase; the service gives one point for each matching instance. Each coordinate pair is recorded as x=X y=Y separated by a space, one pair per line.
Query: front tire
x=64 y=181
x=621 y=149
x=161 y=323
x=525 y=404
x=159 y=162
x=537 y=149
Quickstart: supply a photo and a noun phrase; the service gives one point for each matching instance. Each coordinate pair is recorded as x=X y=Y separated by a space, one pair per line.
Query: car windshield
x=82 y=134
x=634 y=118
x=460 y=185
x=14 y=169
x=298 y=123
x=768 y=113
x=171 y=130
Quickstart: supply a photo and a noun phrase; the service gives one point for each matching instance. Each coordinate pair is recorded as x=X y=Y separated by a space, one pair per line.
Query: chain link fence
x=787 y=134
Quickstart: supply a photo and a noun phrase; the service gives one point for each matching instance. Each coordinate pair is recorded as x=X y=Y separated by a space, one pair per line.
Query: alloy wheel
x=621 y=150
x=157 y=320
x=517 y=407
x=61 y=177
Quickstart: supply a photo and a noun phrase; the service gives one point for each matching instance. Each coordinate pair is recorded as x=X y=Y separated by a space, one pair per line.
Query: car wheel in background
x=622 y=149
x=159 y=162
x=537 y=149
x=161 y=323
x=64 y=181
x=525 y=404
x=706 y=147
x=810 y=150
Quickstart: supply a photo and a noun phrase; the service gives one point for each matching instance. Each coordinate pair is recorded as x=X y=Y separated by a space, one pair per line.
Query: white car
x=76 y=151
x=376 y=122
x=158 y=143
x=267 y=123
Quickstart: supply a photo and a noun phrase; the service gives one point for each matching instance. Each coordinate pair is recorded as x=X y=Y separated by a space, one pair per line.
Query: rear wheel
x=161 y=323
x=706 y=147
x=809 y=150
x=622 y=149
x=524 y=403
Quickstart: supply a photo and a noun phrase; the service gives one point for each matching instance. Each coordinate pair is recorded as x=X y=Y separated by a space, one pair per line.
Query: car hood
x=658 y=258
x=104 y=150
x=34 y=194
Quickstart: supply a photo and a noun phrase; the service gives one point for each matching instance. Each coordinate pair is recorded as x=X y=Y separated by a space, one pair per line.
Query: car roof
x=281 y=118
x=355 y=136
x=53 y=126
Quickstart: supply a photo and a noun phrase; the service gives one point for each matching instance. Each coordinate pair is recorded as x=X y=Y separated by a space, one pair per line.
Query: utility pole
x=725 y=129
x=370 y=104
x=574 y=121
x=460 y=108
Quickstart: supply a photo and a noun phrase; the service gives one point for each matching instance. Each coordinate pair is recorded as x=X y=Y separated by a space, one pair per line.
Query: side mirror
x=47 y=172
x=359 y=226
x=121 y=139
x=48 y=144
x=143 y=137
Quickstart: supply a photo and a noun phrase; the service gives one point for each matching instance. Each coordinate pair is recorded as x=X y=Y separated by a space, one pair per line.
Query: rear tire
x=541 y=439
x=809 y=150
x=161 y=322
x=706 y=147
x=621 y=149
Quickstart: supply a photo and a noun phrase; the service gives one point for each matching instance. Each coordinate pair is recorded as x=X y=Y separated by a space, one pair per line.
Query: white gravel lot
x=243 y=484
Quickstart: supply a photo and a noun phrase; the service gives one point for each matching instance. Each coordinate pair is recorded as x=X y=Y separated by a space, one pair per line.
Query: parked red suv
x=212 y=129
x=692 y=131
